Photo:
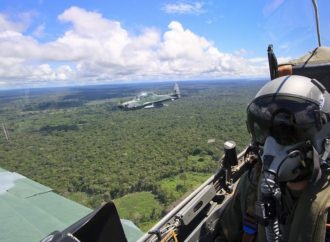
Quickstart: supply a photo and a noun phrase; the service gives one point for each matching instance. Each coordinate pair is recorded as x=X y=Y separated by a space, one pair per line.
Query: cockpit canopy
x=144 y=95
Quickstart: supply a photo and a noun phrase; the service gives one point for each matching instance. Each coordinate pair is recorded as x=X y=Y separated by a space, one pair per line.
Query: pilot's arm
x=236 y=217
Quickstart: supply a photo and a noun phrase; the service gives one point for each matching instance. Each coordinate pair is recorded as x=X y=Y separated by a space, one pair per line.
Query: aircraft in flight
x=150 y=100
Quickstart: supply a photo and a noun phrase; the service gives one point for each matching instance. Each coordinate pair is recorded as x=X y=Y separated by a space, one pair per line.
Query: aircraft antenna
x=317 y=22
x=5 y=132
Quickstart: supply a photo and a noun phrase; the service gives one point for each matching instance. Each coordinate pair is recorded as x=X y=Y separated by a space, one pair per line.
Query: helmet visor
x=289 y=120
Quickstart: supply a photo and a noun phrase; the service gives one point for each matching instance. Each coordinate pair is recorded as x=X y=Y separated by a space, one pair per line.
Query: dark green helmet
x=291 y=109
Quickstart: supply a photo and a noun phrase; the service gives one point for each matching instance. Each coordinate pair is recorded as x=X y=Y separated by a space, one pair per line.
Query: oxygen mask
x=284 y=162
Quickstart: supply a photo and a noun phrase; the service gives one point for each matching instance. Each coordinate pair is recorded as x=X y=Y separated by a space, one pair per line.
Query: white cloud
x=47 y=73
x=7 y=25
x=96 y=49
x=39 y=31
x=15 y=44
x=241 y=52
x=184 y=8
x=19 y=22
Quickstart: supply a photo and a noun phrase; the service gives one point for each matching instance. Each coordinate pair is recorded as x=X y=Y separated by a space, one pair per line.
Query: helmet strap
x=316 y=175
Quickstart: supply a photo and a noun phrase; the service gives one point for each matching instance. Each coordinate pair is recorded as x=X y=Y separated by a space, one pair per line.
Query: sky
x=65 y=43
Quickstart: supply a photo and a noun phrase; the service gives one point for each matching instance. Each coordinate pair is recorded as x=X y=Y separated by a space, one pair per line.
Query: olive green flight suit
x=305 y=222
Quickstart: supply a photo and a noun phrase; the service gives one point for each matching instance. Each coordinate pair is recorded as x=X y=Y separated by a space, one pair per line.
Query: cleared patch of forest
x=76 y=141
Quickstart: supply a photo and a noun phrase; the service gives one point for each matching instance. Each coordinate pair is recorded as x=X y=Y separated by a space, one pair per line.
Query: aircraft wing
x=29 y=211
x=158 y=101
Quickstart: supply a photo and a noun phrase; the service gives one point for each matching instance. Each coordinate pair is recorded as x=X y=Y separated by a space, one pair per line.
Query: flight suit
x=305 y=214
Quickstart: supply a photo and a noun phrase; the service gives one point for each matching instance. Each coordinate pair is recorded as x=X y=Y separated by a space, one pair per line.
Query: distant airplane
x=150 y=100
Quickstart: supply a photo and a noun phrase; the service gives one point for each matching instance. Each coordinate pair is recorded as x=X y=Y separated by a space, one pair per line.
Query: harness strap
x=316 y=175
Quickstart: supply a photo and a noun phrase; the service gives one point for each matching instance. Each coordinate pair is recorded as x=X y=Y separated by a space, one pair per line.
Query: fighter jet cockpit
x=144 y=95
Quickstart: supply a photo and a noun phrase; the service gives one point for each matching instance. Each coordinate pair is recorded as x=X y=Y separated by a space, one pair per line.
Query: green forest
x=76 y=141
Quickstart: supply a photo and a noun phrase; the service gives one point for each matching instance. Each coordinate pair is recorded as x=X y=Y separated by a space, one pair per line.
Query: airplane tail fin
x=176 y=91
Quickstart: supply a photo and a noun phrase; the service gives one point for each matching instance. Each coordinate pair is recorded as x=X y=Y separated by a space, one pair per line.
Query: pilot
x=286 y=195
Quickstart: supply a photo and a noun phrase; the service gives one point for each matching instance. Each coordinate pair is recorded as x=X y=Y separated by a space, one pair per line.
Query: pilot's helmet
x=291 y=109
